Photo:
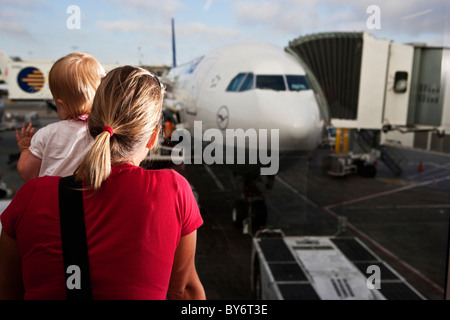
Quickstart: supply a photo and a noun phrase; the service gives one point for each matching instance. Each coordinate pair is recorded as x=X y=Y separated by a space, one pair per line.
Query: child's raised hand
x=24 y=138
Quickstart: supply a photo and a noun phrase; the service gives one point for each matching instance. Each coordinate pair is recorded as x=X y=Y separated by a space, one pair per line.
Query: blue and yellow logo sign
x=30 y=79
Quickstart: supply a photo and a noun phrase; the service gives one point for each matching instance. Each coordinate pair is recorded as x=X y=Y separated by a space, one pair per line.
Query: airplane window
x=272 y=82
x=248 y=83
x=297 y=83
x=236 y=82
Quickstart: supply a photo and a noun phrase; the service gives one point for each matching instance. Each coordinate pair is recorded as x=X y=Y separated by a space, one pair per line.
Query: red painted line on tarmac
x=387 y=192
x=400 y=262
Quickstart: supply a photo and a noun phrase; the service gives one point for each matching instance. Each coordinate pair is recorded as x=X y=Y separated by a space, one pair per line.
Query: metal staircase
x=370 y=138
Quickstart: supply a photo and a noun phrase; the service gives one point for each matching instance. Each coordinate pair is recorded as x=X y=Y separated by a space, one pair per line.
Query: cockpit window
x=297 y=83
x=236 y=82
x=272 y=82
x=246 y=81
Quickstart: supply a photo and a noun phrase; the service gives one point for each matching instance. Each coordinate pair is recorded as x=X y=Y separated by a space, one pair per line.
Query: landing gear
x=250 y=211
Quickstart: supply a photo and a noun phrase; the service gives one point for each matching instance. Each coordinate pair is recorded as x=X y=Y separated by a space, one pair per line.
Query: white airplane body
x=274 y=94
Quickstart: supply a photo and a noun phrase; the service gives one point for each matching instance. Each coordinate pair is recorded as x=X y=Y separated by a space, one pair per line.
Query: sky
x=139 y=31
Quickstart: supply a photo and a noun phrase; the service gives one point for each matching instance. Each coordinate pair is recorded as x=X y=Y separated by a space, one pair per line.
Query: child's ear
x=153 y=139
x=60 y=103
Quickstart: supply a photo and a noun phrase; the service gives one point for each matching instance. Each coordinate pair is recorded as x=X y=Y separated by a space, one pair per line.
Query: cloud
x=13 y=21
x=208 y=4
x=186 y=31
x=202 y=30
x=414 y=15
x=13 y=28
x=124 y=26
x=312 y=16
x=21 y=3
x=150 y=8
x=251 y=12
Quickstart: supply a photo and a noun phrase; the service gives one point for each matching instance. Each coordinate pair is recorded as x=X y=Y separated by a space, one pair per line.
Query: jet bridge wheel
x=239 y=213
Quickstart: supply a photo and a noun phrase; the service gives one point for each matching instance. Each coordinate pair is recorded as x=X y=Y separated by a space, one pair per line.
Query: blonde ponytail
x=96 y=165
x=127 y=110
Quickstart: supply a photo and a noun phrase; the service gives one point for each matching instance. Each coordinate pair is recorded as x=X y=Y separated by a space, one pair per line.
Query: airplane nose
x=297 y=130
x=297 y=118
x=298 y=135
x=300 y=131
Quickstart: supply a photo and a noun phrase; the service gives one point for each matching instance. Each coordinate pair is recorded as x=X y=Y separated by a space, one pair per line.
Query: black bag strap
x=73 y=237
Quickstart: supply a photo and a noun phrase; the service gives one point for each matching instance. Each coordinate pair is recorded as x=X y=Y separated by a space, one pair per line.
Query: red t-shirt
x=133 y=225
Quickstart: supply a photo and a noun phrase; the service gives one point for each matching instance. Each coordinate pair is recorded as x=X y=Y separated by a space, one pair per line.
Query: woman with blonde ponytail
x=140 y=224
x=128 y=120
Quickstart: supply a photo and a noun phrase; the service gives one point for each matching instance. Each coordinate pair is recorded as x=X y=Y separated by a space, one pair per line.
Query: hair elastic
x=110 y=130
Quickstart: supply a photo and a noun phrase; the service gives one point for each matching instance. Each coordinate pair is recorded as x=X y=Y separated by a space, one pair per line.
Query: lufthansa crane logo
x=223 y=117
x=30 y=79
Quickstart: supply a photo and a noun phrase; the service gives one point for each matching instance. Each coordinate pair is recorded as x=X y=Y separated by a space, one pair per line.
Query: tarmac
x=404 y=220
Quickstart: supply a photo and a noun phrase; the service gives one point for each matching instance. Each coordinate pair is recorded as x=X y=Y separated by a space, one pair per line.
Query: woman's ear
x=153 y=139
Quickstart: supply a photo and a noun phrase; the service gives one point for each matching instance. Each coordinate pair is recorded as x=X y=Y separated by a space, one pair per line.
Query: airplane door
x=201 y=83
x=191 y=105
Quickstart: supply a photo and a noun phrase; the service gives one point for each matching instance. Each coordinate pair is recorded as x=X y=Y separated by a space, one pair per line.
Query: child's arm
x=28 y=165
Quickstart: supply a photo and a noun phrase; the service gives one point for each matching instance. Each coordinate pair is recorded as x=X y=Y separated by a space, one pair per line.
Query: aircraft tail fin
x=174 y=53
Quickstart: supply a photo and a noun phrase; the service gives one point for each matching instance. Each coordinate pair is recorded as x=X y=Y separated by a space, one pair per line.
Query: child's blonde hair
x=126 y=112
x=74 y=79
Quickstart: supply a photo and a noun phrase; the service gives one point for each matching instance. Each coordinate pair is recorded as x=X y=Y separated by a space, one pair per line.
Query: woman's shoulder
x=41 y=182
x=169 y=173
x=37 y=186
x=169 y=176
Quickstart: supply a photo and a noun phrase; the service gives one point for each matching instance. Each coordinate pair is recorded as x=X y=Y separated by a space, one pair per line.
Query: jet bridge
x=380 y=91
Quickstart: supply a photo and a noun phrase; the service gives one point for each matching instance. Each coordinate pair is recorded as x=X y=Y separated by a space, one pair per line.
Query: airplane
x=243 y=90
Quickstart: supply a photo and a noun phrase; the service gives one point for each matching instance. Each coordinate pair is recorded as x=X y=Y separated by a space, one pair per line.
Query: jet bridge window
x=271 y=82
x=297 y=82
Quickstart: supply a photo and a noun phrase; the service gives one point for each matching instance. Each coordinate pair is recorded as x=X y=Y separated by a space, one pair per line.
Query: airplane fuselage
x=248 y=86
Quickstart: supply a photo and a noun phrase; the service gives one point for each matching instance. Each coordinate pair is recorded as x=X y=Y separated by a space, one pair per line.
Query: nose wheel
x=250 y=212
